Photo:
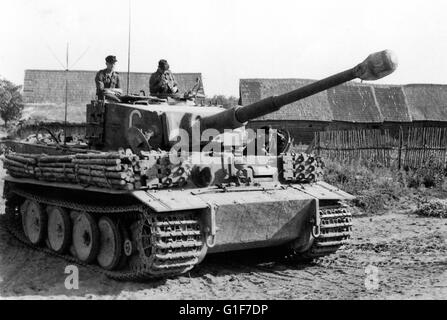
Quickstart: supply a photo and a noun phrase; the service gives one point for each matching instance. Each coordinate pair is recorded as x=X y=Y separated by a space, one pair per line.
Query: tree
x=10 y=101
x=226 y=102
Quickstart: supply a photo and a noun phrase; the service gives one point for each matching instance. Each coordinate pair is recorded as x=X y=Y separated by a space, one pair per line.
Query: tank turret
x=375 y=66
x=144 y=123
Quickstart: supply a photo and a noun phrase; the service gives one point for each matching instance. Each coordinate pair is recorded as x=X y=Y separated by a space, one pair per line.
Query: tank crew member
x=162 y=82
x=108 y=81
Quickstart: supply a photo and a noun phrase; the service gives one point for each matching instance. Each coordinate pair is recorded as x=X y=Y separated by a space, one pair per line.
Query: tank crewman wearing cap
x=162 y=82
x=108 y=81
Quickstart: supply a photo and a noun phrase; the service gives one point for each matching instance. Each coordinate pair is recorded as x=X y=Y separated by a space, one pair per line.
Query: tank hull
x=164 y=230
x=247 y=218
x=243 y=218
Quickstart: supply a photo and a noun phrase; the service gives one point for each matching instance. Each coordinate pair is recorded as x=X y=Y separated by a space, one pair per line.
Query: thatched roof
x=249 y=91
x=352 y=102
x=314 y=108
x=392 y=103
x=427 y=102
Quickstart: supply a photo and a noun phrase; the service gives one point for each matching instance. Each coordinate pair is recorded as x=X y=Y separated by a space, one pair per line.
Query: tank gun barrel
x=375 y=66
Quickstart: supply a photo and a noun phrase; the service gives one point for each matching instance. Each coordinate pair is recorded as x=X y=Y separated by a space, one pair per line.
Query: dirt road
x=410 y=253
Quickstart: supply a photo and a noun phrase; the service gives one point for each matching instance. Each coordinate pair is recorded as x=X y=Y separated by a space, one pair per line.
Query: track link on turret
x=166 y=244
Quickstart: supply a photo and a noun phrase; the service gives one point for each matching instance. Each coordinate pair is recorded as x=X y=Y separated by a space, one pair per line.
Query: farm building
x=349 y=106
x=393 y=106
x=427 y=104
x=343 y=107
x=301 y=118
x=353 y=106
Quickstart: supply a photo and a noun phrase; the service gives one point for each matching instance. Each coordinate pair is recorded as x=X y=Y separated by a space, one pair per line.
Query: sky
x=226 y=40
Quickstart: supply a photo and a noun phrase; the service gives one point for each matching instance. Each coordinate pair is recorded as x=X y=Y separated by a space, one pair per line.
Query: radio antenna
x=80 y=57
x=54 y=55
x=128 y=48
x=66 y=100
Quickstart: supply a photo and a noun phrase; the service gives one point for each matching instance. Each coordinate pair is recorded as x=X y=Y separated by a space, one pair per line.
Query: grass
x=378 y=188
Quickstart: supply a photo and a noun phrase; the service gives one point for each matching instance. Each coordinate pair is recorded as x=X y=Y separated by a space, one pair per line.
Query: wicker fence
x=411 y=147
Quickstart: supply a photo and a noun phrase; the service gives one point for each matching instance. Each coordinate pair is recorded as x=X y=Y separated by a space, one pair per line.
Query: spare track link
x=175 y=239
x=301 y=168
x=335 y=231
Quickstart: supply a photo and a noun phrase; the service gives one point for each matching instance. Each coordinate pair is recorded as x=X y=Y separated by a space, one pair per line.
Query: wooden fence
x=411 y=147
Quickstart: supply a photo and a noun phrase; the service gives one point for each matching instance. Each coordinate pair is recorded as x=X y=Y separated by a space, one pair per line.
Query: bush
x=378 y=188
x=222 y=100
x=432 y=208
x=430 y=175
x=10 y=101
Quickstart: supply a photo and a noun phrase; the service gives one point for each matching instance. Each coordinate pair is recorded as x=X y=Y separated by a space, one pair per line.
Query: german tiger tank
x=164 y=182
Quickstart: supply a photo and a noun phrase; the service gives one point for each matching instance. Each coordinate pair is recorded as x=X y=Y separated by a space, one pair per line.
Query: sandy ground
x=391 y=256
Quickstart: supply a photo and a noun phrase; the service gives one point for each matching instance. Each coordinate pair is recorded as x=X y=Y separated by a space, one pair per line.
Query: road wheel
x=34 y=222
x=59 y=229
x=85 y=237
x=111 y=244
x=127 y=247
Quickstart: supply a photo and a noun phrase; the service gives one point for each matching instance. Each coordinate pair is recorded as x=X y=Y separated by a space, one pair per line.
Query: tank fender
x=170 y=201
x=323 y=191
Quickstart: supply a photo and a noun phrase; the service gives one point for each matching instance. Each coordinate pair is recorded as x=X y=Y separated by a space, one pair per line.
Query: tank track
x=168 y=244
x=335 y=231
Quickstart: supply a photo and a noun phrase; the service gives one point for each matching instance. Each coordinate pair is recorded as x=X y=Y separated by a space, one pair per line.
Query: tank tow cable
x=316 y=229
x=211 y=228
